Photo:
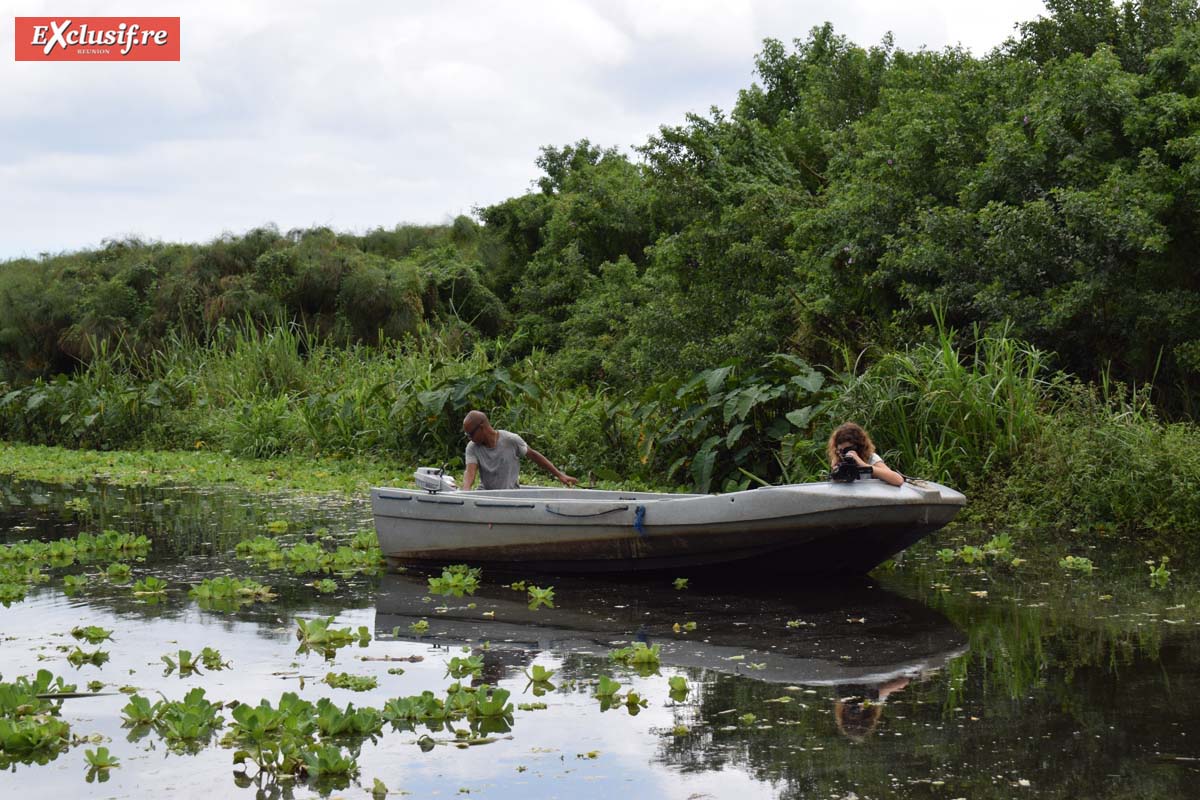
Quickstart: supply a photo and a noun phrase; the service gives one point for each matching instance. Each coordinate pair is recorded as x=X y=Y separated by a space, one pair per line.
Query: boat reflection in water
x=855 y=637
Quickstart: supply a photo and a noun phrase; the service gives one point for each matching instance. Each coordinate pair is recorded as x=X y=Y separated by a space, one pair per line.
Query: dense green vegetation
x=702 y=313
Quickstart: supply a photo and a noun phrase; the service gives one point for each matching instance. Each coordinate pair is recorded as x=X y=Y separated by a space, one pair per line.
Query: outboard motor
x=434 y=480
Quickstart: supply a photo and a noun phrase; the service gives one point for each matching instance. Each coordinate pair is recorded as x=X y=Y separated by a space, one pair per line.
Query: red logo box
x=97 y=38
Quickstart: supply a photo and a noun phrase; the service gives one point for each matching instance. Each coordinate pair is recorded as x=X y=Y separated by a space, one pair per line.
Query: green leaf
x=801 y=416
x=735 y=433
x=714 y=379
x=812 y=381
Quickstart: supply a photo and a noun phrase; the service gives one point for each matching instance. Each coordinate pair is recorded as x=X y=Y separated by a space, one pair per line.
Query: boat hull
x=802 y=529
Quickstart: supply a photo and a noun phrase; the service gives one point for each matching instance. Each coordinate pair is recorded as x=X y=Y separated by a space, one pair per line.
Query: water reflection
x=856 y=633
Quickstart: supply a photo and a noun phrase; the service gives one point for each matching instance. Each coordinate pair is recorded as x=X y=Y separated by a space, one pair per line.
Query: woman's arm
x=886 y=474
x=879 y=470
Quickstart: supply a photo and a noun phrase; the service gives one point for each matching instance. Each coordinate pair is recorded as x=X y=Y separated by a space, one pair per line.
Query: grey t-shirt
x=498 y=466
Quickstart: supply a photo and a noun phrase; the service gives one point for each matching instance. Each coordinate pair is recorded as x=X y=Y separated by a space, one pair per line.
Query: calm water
x=935 y=680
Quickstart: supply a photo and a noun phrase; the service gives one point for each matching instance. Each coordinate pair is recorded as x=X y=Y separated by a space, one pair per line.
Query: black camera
x=847 y=470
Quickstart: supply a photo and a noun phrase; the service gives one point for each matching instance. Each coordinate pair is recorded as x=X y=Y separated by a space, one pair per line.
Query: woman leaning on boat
x=851 y=441
x=495 y=456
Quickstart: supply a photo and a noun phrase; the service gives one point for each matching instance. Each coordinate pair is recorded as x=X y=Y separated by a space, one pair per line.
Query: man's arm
x=469 y=476
x=545 y=464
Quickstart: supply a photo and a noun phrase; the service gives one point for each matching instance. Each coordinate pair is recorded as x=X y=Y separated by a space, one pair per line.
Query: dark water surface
x=933 y=680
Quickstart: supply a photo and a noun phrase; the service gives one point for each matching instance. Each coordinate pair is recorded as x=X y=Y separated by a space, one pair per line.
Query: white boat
x=809 y=528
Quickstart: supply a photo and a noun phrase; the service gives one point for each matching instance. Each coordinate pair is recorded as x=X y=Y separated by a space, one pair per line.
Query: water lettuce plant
x=100 y=758
x=355 y=683
x=211 y=659
x=92 y=634
x=1160 y=576
x=457 y=580
x=100 y=761
x=30 y=731
x=78 y=657
x=187 y=663
x=32 y=739
x=540 y=597
x=260 y=548
x=1077 y=564
x=119 y=572
x=183 y=724
x=11 y=593
x=73 y=584
x=226 y=593
x=463 y=667
x=150 y=589
x=318 y=635
x=637 y=655
x=539 y=680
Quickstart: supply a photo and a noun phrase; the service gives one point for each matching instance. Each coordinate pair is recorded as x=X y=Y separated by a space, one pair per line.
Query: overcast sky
x=358 y=114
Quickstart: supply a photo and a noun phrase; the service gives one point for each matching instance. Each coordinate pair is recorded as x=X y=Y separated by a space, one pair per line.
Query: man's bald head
x=474 y=419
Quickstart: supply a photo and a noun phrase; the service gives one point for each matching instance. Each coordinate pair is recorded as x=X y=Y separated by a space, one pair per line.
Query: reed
x=951 y=412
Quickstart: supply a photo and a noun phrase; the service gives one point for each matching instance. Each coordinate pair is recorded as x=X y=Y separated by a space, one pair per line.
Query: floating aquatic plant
x=184 y=724
x=100 y=758
x=540 y=597
x=464 y=667
x=32 y=739
x=92 y=634
x=226 y=593
x=457 y=580
x=211 y=659
x=150 y=589
x=1160 y=576
x=74 y=583
x=260 y=548
x=119 y=572
x=1077 y=564
x=11 y=593
x=186 y=665
x=317 y=635
x=637 y=655
x=78 y=657
x=355 y=683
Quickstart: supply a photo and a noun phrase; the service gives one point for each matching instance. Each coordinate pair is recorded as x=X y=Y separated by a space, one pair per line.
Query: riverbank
x=198 y=468
x=278 y=409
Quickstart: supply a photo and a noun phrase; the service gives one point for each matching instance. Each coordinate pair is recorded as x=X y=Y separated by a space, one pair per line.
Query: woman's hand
x=855 y=458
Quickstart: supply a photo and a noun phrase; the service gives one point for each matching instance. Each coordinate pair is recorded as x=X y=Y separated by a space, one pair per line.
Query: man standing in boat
x=495 y=455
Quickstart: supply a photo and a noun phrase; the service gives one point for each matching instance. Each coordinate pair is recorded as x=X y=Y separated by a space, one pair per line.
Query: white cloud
x=357 y=114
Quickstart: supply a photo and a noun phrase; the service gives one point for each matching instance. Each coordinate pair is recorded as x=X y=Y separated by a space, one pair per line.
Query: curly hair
x=849 y=434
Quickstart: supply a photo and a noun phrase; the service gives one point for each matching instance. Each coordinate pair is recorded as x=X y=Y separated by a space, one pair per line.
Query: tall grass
x=953 y=413
x=987 y=415
x=265 y=392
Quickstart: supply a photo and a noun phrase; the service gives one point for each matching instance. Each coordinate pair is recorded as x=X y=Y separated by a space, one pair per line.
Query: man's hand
x=567 y=480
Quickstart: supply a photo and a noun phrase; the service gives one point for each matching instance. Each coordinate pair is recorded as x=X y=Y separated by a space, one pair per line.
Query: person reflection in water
x=857 y=713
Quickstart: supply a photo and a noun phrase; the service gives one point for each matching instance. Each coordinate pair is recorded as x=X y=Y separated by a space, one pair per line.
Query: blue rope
x=639 y=520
